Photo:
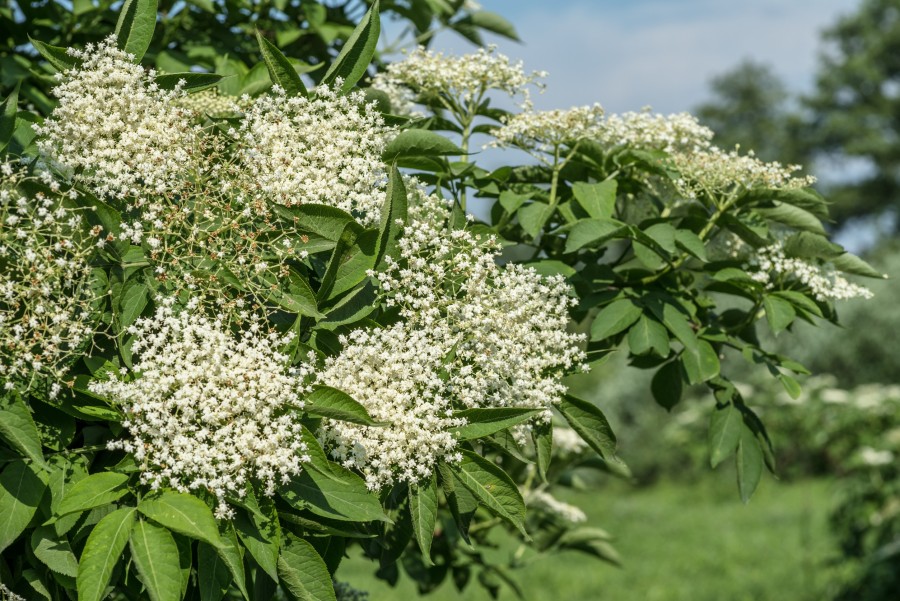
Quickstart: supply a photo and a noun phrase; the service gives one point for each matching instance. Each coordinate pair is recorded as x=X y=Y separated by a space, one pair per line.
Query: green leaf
x=183 y=513
x=93 y=491
x=303 y=573
x=592 y=232
x=17 y=427
x=134 y=30
x=21 y=491
x=55 y=55
x=484 y=422
x=492 y=487
x=280 y=68
x=648 y=335
x=492 y=22
x=192 y=81
x=614 y=318
x=724 y=433
x=511 y=202
x=791 y=386
x=322 y=220
x=663 y=235
x=807 y=245
x=393 y=218
x=357 y=52
x=419 y=143
x=542 y=435
x=701 y=362
x=102 y=552
x=213 y=576
x=423 y=507
x=599 y=200
x=794 y=217
x=691 y=243
x=340 y=495
x=749 y=462
x=667 y=386
x=779 y=313
x=849 y=263
x=8 y=110
x=332 y=403
x=132 y=303
x=262 y=538
x=54 y=551
x=155 y=555
x=231 y=554
x=352 y=307
x=590 y=423
x=592 y=541
x=293 y=294
x=532 y=218
x=677 y=323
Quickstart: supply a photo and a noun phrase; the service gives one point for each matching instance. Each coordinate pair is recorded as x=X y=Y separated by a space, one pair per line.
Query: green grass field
x=678 y=542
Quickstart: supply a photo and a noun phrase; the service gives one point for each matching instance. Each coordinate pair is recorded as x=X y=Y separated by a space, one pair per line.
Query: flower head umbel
x=207 y=408
x=325 y=149
x=542 y=132
x=114 y=129
x=45 y=293
x=645 y=130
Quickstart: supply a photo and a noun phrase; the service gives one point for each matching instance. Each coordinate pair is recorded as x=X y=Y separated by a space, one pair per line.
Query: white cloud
x=659 y=52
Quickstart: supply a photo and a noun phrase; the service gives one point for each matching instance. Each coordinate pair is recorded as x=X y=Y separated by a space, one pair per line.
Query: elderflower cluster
x=7 y=595
x=770 y=265
x=715 y=171
x=541 y=499
x=461 y=80
x=547 y=131
x=394 y=373
x=506 y=325
x=209 y=102
x=325 y=149
x=114 y=129
x=679 y=132
x=45 y=293
x=207 y=408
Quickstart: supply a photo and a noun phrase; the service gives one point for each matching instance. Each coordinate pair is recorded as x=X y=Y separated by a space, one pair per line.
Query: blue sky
x=662 y=53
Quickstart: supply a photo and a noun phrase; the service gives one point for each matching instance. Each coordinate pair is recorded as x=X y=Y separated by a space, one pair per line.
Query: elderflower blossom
x=547 y=131
x=394 y=373
x=461 y=80
x=7 y=595
x=114 y=128
x=324 y=149
x=715 y=171
x=209 y=409
x=567 y=441
x=506 y=325
x=541 y=499
x=770 y=264
x=679 y=132
x=401 y=98
x=210 y=103
x=45 y=292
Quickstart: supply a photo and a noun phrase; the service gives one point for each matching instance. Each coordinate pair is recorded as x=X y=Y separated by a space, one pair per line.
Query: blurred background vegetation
x=829 y=528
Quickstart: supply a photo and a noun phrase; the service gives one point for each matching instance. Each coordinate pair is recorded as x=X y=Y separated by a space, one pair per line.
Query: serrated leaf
x=492 y=487
x=262 y=539
x=663 y=235
x=182 y=513
x=339 y=495
x=484 y=422
x=280 y=68
x=17 y=427
x=779 y=313
x=393 y=218
x=423 y=508
x=794 y=217
x=807 y=245
x=132 y=303
x=648 y=335
x=701 y=362
x=533 y=217
x=598 y=200
x=134 y=29
x=54 y=551
x=102 y=552
x=592 y=232
x=725 y=426
x=213 y=576
x=590 y=423
x=418 y=143
x=322 y=220
x=691 y=243
x=511 y=202
x=849 y=263
x=542 y=435
x=614 y=318
x=357 y=52
x=749 y=462
x=21 y=491
x=55 y=55
x=303 y=573
x=332 y=403
x=156 y=557
x=93 y=491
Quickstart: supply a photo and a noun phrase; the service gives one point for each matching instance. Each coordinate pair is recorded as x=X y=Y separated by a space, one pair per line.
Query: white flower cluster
x=394 y=373
x=324 y=149
x=7 y=595
x=45 y=293
x=507 y=325
x=207 y=408
x=715 y=171
x=567 y=441
x=210 y=103
x=541 y=499
x=114 y=128
x=770 y=264
x=456 y=79
x=680 y=132
x=402 y=98
x=547 y=131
